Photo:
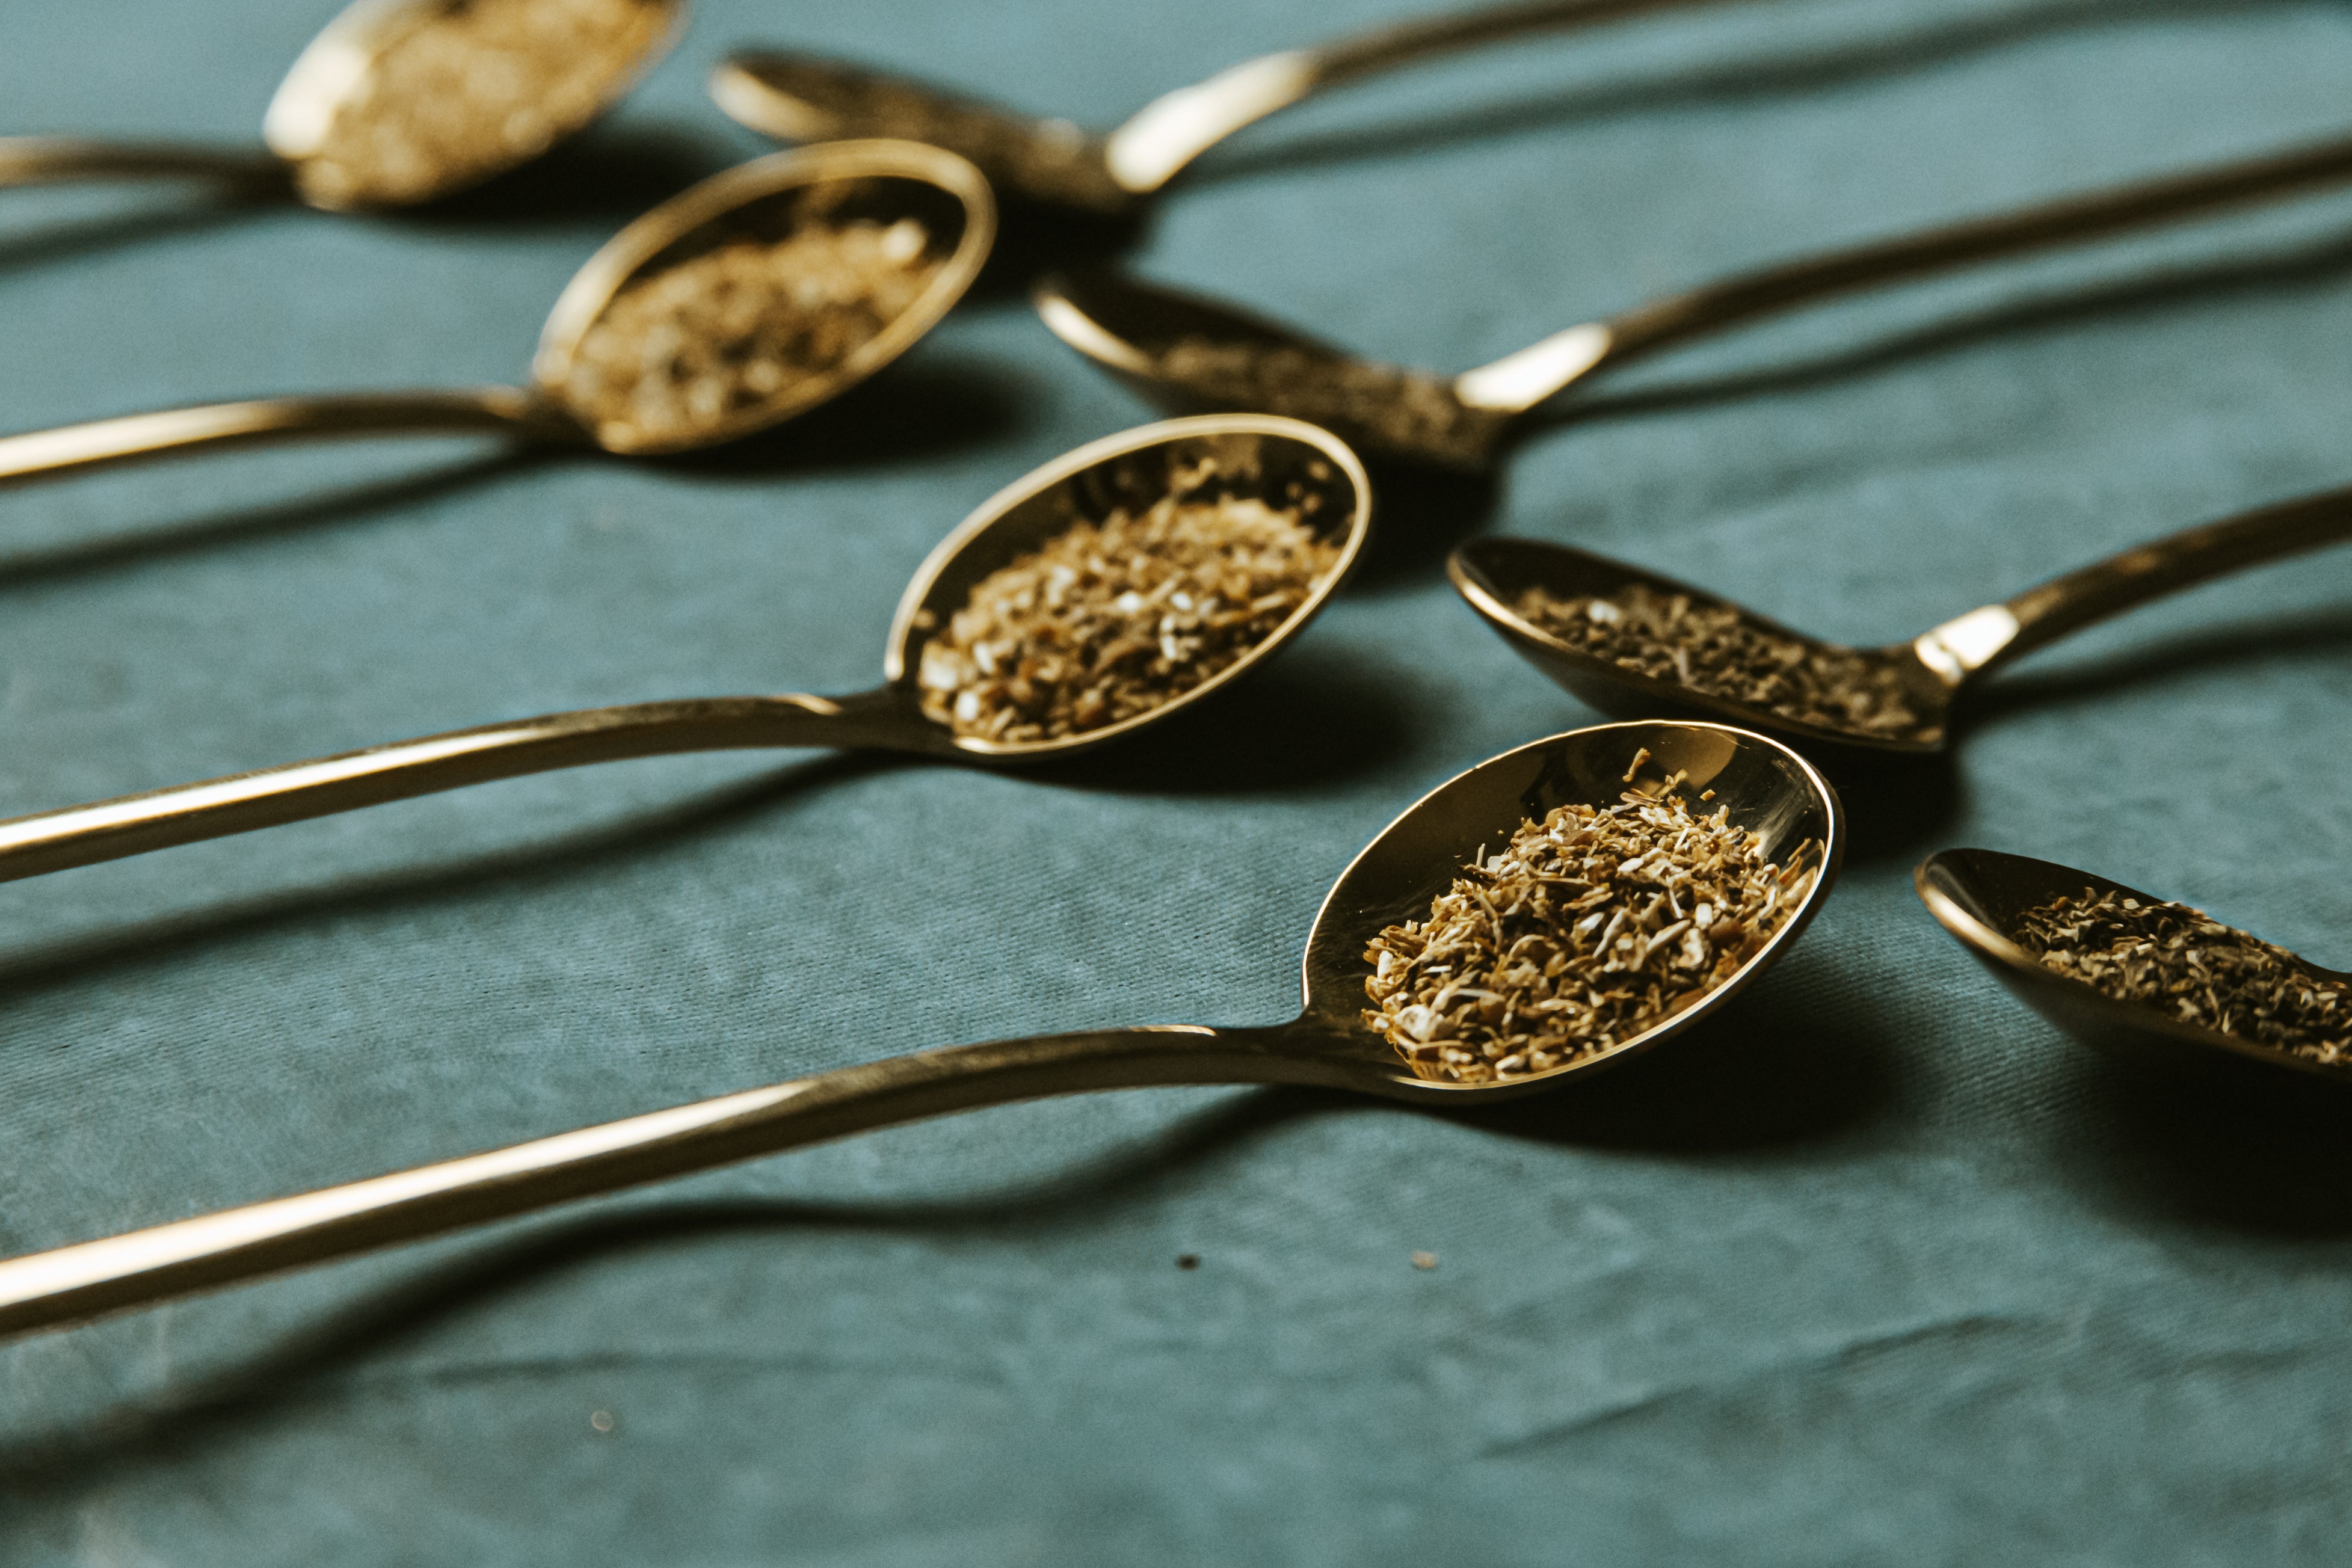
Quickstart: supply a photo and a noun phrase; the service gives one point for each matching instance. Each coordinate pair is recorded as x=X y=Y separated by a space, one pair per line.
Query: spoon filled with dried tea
x=1631 y=642
x=1053 y=162
x=1110 y=589
x=2137 y=976
x=729 y=308
x=1189 y=352
x=400 y=102
x=1553 y=912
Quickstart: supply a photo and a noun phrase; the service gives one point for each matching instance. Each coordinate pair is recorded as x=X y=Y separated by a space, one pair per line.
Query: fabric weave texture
x=1876 y=1266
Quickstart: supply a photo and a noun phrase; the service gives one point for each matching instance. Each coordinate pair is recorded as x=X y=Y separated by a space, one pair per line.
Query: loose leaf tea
x=678 y=350
x=476 y=88
x=1586 y=929
x=1384 y=405
x=1713 y=648
x=1114 y=619
x=2194 y=968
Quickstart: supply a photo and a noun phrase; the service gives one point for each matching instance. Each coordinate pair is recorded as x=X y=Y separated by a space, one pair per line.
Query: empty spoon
x=1279 y=461
x=1194 y=354
x=796 y=98
x=755 y=296
x=1765 y=787
x=400 y=102
x=1896 y=698
x=1981 y=897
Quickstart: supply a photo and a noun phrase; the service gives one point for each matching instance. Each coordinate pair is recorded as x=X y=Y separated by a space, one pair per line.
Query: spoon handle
x=44 y=453
x=56 y=159
x=1168 y=134
x=2073 y=220
x=243 y=802
x=1984 y=639
x=44 y=1288
x=1426 y=37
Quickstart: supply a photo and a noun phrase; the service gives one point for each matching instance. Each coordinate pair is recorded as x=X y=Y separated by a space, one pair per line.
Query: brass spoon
x=400 y=102
x=1982 y=895
x=784 y=195
x=796 y=98
x=1929 y=671
x=1768 y=790
x=1194 y=354
x=1279 y=460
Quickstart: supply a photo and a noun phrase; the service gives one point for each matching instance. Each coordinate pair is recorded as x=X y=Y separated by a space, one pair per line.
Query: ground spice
x=1114 y=619
x=2195 y=970
x=1380 y=405
x=476 y=87
x=1713 y=648
x=1586 y=929
x=679 y=349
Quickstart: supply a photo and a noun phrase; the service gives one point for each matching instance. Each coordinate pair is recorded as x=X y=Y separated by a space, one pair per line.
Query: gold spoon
x=796 y=98
x=1980 y=896
x=1767 y=789
x=926 y=214
x=1277 y=460
x=400 y=102
x=1924 y=676
x=1194 y=354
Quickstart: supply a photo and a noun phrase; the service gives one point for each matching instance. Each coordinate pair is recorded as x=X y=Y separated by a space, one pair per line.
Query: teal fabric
x=1879 y=1268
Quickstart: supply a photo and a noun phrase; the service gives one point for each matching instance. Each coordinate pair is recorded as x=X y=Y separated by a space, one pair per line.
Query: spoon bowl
x=401 y=101
x=1278 y=461
x=1208 y=456
x=753 y=298
x=1768 y=790
x=1184 y=352
x=1493 y=574
x=1764 y=786
x=1895 y=699
x=1980 y=896
x=778 y=202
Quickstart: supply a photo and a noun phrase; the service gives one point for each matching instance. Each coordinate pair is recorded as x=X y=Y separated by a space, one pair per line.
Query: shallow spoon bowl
x=1982 y=895
x=1053 y=162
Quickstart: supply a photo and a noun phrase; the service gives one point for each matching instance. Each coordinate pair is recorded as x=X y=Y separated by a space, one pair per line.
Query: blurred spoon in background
x=1053 y=162
x=1187 y=352
x=1986 y=899
x=1258 y=460
x=401 y=101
